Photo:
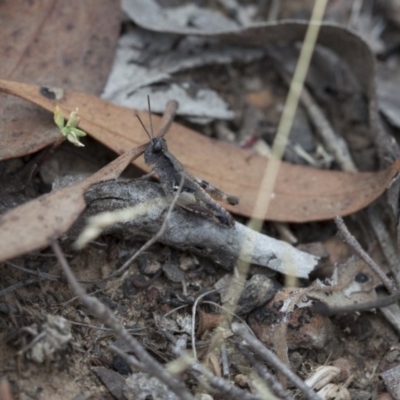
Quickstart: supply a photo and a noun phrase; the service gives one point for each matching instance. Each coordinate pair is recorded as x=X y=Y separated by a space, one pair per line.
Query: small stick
x=323 y=308
x=224 y=386
x=224 y=360
x=132 y=361
x=43 y=275
x=203 y=375
x=156 y=236
x=348 y=238
x=146 y=245
x=44 y=157
x=168 y=117
x=20 y=285
x=150 y=119
x=194 y=308
x=105 y=315
x=335 y=143
x=265 y=375
x=386 y=242
x=273 y=360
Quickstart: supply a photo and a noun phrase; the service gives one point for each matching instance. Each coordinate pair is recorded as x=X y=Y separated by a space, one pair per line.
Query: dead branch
x=273 y=360
x=189 y=231
x=265 y=375
x=348 y=238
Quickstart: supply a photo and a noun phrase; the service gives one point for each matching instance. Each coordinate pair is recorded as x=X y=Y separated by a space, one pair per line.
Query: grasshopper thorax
x=156 y=148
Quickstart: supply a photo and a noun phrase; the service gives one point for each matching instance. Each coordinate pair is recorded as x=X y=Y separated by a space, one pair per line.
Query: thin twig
x=323 y=308
x=168 y=117
x=132 y=361
x=195 y=368
x=47 y=276
x=223 y=386
x=193 y=331
x=273 y=360
x=105 y=315
x=44 y=157
x=185 y=361
x=102 y=328
x=386 y=242
x=224 y=360
x=20 y=285
x=225 y=309
x=334 y=143
x=35 y=340
x=270 y=175
x=265 y=375
x=274 y=9
x=37 y=273
x=146 y=245
x=348 y=238
x=157 y=235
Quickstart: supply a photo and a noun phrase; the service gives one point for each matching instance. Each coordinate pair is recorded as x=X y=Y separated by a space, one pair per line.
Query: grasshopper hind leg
x=200 y=202
x=216 y=193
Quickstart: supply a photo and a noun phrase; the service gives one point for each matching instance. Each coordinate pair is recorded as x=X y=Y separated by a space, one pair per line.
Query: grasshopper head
x=156 y=148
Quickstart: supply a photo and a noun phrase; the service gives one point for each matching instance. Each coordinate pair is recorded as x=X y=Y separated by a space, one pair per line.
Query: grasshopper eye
x=157 y=147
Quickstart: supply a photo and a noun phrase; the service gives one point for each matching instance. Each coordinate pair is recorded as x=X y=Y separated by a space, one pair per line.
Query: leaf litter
x=319 y=194
x=120 y=136
x=68 y=44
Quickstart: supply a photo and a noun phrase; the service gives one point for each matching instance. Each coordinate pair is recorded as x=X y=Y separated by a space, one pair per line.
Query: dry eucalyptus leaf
x=301 y=194
x=66 y=43
x=36 y=223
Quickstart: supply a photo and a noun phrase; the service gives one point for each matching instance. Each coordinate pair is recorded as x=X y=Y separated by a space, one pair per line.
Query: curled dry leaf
x=322 y=376
x=298 y=328
x=352 y=282
x=53 y=43
x=301 y=194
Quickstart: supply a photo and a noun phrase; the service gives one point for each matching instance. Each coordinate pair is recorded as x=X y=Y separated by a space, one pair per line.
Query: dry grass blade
x=271 y=173
x=168 y=118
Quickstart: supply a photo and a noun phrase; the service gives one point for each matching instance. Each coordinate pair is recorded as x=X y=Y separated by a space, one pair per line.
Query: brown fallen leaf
x=64 y=43
x=301 y=193
x=36 y=223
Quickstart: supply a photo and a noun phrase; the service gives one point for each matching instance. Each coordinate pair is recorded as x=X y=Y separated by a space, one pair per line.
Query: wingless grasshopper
x=196 y=195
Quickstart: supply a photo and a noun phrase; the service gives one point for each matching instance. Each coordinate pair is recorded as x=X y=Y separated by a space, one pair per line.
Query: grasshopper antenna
x=151 y=121
x=141 y=123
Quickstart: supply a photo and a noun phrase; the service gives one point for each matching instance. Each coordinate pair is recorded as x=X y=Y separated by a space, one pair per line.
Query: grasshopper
x=196 y=194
